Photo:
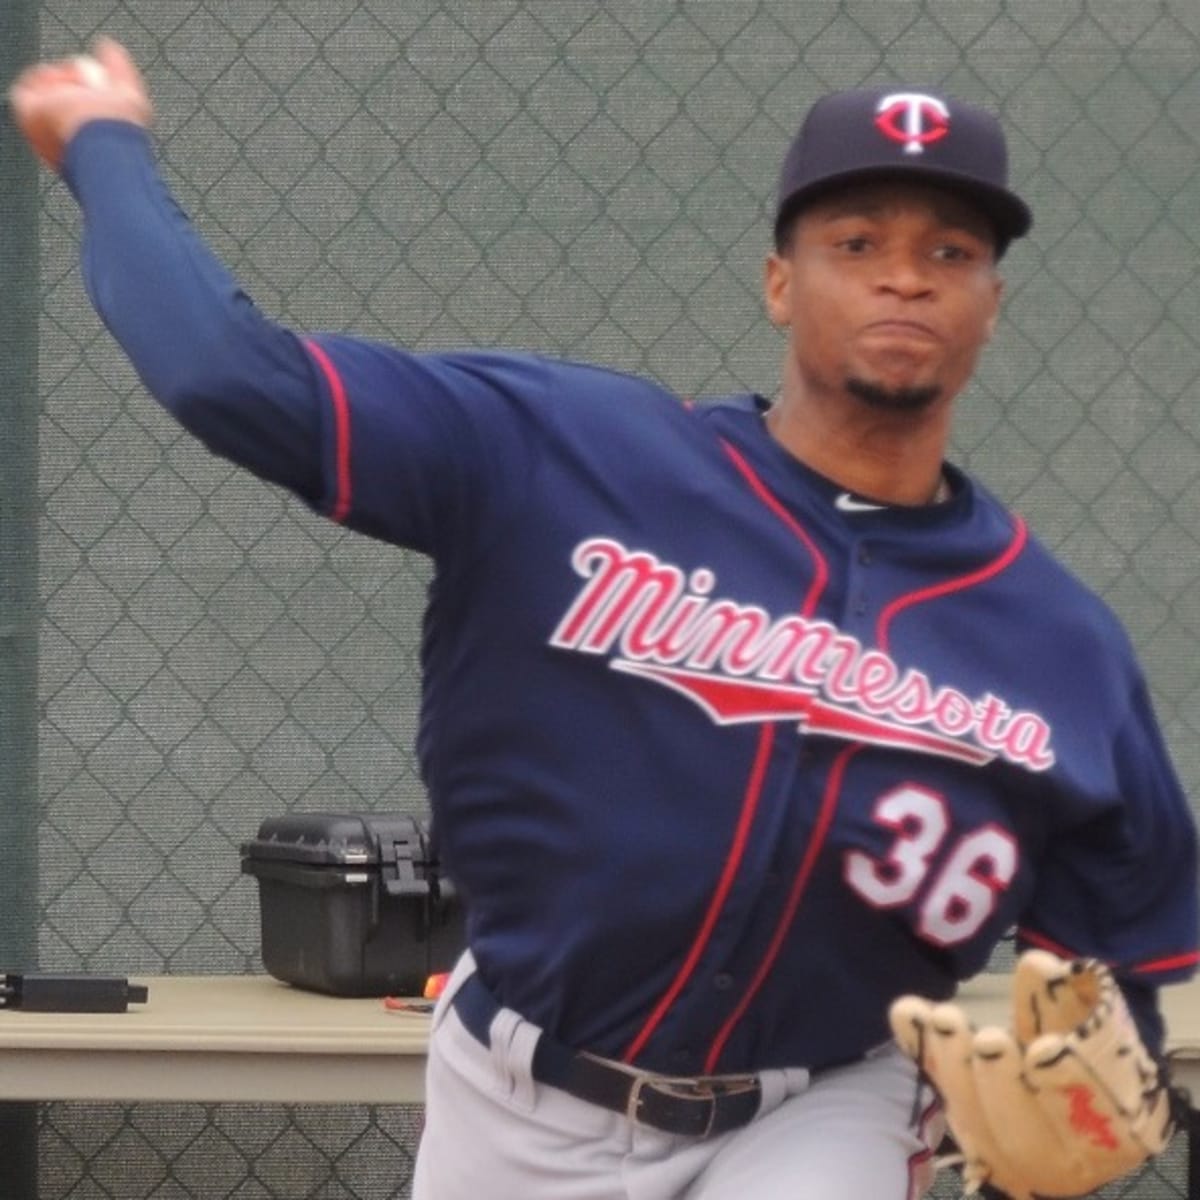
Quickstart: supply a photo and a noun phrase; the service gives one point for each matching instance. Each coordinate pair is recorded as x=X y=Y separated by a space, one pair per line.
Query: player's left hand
x=1064 y=1103
x=51 y=101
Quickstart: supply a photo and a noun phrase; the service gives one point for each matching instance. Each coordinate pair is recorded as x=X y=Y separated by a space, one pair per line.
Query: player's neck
x=888 y=456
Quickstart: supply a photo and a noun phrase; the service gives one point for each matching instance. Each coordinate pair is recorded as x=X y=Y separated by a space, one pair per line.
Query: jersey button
x=722 y=981
x=864 y=555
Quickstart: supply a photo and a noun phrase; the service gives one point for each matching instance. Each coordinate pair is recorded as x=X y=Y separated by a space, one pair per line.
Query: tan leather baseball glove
x=1066 y=1101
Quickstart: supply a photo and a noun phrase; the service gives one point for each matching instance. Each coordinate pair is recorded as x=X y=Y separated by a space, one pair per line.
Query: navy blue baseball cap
x=896 y=133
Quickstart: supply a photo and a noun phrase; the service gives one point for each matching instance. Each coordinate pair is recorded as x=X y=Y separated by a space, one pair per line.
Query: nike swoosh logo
x=847 y=503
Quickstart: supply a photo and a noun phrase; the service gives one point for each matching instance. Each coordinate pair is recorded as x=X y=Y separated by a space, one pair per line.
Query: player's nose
x=904 y=271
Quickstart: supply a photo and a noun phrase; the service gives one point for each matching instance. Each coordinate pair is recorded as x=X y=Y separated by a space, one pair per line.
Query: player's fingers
x=948 y=1057
x=909 y=1019
x=124 y=75
x=1047 y=996
x=1064 y=1077
x=51 y=101
x=32 y=96
x=45 y=84
x=1106 y=1058
x=1006 y=1098
x=948 y=1053
x=36 y=79
x=41 y=72
x=118 y=62
x=1092 y=1112
x=20 y=92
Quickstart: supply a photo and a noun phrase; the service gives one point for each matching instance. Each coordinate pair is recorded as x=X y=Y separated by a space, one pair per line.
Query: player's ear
x=777 y=289
x=997 y=296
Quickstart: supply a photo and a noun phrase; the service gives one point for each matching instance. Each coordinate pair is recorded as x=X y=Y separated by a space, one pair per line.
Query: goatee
x=901 y=399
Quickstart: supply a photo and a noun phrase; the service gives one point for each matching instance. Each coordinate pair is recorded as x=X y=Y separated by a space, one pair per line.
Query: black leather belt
x=694 y=1107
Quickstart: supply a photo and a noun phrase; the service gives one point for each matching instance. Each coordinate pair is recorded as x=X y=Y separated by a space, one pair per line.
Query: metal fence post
x=18 y=573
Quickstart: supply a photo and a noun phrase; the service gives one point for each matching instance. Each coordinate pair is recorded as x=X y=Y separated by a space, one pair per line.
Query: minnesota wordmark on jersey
x=740 y=663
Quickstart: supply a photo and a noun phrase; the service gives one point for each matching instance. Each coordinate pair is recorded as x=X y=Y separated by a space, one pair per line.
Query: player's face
x=889 y=291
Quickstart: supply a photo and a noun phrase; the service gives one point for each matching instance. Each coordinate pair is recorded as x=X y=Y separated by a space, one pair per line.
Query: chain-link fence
x=582 y=178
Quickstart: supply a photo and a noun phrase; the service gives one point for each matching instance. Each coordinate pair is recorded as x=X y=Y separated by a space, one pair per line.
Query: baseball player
x=740 y=719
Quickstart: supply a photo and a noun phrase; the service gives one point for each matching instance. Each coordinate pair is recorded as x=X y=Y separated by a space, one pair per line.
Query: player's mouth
x=907 y=330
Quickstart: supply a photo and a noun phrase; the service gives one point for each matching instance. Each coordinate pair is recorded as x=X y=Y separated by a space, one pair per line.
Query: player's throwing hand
x=52 y=100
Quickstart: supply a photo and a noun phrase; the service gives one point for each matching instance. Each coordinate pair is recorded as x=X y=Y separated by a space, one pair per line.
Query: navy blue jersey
x=722 y=758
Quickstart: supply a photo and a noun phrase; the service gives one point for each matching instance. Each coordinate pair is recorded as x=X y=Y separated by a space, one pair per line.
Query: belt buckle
x=677 y=1089
x=634 y=1102
x=726 y=1085
x=707 y=1089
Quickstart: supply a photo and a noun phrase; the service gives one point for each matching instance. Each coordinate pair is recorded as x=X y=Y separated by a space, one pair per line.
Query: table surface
x=218 y=1037
x=248 y=1013
x=251 y=1038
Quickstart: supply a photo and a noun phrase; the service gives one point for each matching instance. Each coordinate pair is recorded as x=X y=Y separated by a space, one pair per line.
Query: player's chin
x=885 y=395
x=912 y=379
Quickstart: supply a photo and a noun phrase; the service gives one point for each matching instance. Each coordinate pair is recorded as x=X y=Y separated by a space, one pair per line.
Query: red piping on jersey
x=1014 y=548
x=821 y=567
x=1171 y=962
x=829 y=803
x=341 y=432
x=1045 y=943
x=1167 y=964
x=741 y=835
x=830 y=799
x=754 y=783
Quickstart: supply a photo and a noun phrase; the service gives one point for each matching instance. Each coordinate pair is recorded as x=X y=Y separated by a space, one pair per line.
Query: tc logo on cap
x=912 y=118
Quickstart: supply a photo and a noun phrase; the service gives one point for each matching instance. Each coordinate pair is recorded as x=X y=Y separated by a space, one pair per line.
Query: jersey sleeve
x=422 y=450
x=1122 y=887
x=427 y=450
x=237 y=380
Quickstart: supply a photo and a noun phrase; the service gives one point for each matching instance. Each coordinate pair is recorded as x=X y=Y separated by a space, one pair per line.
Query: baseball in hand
x=50 y=100
x=89 y=70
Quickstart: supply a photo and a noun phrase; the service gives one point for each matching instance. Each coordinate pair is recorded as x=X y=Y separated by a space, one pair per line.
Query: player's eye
x=858 y=244
x=952 y=252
